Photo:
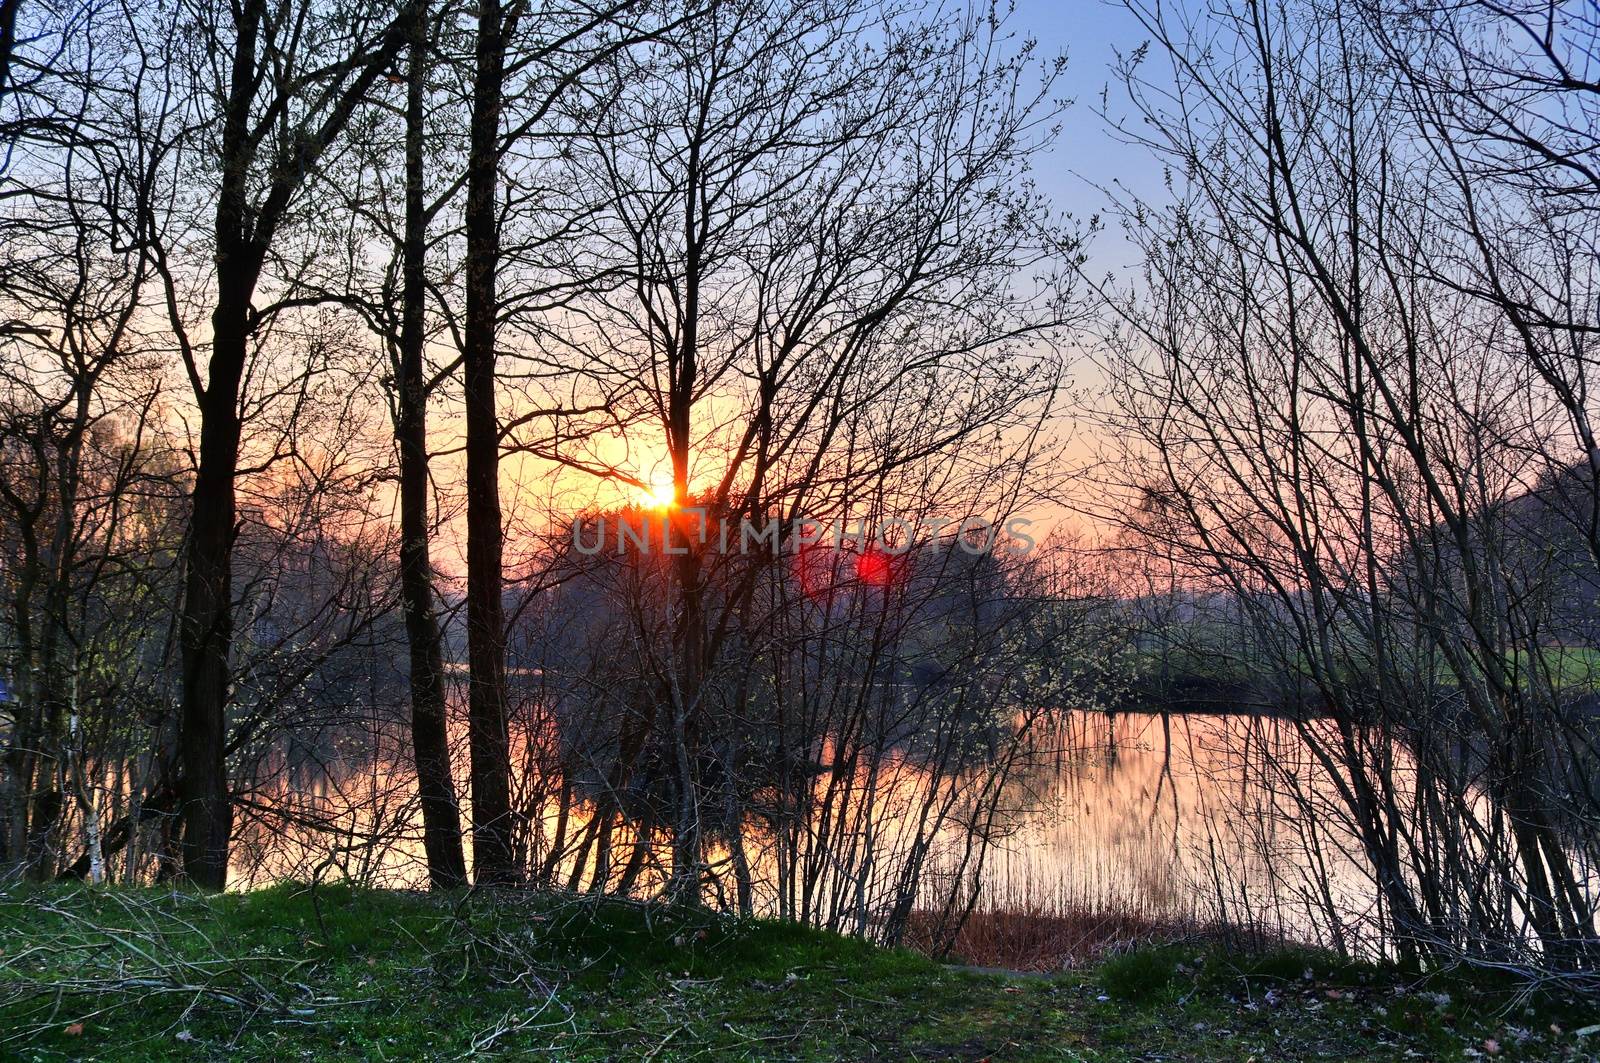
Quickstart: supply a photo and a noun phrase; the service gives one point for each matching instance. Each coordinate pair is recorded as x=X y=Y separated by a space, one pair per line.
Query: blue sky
x=1087 y=155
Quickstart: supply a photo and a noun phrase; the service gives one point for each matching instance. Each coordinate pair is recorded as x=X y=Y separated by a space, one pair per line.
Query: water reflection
x=1170 y=819
x=1180 y=818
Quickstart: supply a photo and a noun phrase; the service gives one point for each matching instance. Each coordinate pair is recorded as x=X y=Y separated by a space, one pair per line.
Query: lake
x=1169 y=820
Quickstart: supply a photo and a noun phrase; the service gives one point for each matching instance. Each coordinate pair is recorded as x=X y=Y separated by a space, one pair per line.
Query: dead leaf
x=75 y=1030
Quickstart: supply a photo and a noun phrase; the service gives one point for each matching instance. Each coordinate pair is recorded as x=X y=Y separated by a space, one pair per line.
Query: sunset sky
x=1086 y=164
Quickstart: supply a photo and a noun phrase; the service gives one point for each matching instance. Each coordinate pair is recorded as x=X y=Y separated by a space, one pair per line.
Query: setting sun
x=660 y=494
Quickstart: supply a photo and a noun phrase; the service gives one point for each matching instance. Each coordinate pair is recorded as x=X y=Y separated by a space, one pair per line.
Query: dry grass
x=1025 y=924
x=1041 y=941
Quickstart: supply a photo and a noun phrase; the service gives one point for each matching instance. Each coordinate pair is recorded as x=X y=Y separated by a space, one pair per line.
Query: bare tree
x=1328 y=418
x=78 y=388
x=1507 y=99
x=295 y=75
x=800 y=232
x=542 y=58
x=430 y=740
x=486 y=695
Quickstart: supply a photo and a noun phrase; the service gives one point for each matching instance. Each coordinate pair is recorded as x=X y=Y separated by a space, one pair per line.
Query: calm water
x=1168 y=819
x=1180 y=817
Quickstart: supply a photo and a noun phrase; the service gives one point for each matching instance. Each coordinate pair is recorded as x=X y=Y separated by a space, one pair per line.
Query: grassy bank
x=337 y=974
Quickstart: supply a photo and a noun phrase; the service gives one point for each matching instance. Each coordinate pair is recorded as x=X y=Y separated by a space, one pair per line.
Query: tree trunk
x=430 y=743
x=22 y=753
x=486 y=700
x=45 y=813
x=124 y=833
x=206 y=628
x=8 y=41
x=688 y=631
x=207 y=624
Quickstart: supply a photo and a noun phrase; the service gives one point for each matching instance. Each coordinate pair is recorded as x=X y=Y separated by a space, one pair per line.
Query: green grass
x=339 y=974
x=1571 y=670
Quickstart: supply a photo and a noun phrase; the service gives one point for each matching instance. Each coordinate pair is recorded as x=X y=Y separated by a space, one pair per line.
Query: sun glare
x=659 y=495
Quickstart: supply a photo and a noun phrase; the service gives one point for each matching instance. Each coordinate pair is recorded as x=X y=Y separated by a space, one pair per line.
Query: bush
x=1141 y=976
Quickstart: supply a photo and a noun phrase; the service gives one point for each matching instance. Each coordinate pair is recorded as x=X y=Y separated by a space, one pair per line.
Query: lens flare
x=875 y=569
